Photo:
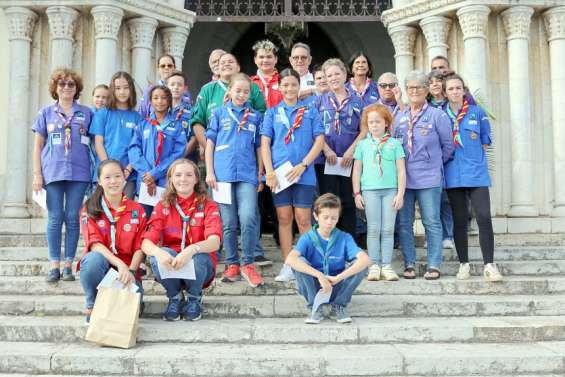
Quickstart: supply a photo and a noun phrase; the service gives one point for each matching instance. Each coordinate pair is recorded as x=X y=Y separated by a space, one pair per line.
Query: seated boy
x=319 y=261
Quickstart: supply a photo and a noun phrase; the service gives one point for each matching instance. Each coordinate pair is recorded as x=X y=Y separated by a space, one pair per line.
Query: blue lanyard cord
x=112 y=224
x=185 y=221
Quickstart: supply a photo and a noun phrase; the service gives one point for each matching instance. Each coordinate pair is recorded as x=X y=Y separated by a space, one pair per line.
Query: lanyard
x=296 y=124
x=338 y=110
x=378 y=149
x=457 y=121
x=411 y=122
x=185 y=223
x=113 y=220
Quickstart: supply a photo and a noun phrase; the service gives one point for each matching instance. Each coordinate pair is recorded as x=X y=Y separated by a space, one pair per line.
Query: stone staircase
x=404 y=328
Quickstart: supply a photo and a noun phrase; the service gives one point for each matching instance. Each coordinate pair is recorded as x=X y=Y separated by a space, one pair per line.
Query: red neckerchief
x=297 y=122
x=160 y=138
x=338 y=109
x=460 y=116
x=378 y=151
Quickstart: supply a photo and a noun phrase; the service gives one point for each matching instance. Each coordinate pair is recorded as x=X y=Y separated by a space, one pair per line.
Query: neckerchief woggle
x=185 y=223
x=378 y=149
x=411 y=122
x=360 y=94
x=457 y=121
x=113 y=220
x=338 y=110
x=286 y=122
x=314 y=237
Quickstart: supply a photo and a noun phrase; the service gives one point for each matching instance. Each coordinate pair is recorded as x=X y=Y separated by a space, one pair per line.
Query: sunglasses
x=68 y=84
x=166 y=66
x=390 y=86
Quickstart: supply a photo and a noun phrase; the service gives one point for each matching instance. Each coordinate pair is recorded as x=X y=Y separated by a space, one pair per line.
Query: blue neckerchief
x=112 y=223
x=314 y=237
x=235 y=118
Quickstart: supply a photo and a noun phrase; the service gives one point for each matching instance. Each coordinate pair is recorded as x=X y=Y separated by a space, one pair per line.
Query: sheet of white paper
x=111 y=280
x=187 y=272
x=337 y=169
x=321 y=298
x=281 y=178
x=145 y=198
x=40 y=198
x=223 y=193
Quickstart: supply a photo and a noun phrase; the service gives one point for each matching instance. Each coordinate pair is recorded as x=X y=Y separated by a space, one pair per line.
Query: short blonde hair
x=334 y=62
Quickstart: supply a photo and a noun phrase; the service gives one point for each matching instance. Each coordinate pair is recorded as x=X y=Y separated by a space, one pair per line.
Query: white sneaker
x=286 y=274
x=448 y=244
x=388 y=274
x=464 y=271
x=491 y=273
x=374 y=273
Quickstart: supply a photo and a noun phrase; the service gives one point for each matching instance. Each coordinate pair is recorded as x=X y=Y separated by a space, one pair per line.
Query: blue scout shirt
x=349 y=119
x=469 y=168
x=442 y=105
x=432 y=146
x=328 y=256
x=275 y=126
x=145 y=102
x=117 y=128
x=369 y=95
x=56 y=165
x=142 y=151
x=235 y=158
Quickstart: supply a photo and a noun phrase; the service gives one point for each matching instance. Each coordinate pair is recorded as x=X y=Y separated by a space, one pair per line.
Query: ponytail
x=93 y=206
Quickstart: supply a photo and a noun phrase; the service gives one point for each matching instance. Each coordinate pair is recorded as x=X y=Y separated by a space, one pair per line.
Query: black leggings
x=480 y=202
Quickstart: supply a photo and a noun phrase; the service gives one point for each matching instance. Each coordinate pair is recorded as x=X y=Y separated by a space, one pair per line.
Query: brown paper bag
x=114 y=318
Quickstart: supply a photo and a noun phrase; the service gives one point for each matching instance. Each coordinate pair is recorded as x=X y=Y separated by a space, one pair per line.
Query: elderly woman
x=390 y=94
x=425 y=133
x=61 y=164
x=466 y=175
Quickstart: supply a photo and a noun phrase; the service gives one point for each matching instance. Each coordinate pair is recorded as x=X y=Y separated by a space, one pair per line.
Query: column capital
x=555 y=23
x=21 y=22
x=473 y=20
x=107 y=21
x=142 y=31
x=403 y=38
x=174 y=40
x=436 y=30
x=517 y=20
x=62 y=22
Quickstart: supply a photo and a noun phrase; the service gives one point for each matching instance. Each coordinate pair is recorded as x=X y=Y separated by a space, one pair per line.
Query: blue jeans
x=429 y=201
x=446 y=217
x=308 y=287
x=381 y=217
x=93 y=268
x=243 y=210
x=204 y=273
x=64 y=200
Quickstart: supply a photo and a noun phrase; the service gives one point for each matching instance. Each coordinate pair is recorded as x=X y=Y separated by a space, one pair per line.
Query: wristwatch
x=304 y=164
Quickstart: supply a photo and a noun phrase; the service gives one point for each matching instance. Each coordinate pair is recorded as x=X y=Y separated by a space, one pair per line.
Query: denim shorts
x=301 y=196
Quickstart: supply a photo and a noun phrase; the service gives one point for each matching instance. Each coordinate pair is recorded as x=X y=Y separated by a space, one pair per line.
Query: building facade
x=511 y=56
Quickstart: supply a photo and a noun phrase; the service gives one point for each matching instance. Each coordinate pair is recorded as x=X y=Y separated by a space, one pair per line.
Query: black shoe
x=262 y=261
x=54 y=275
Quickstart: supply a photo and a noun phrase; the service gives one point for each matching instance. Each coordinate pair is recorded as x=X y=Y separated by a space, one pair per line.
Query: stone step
x=219 y=359
x=295 y=331
x=502 y=253
x=448 y=285
x=294 y=306
x=123 y=375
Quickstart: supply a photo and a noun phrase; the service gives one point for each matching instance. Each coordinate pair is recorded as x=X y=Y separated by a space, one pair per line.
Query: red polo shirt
x=272 y=95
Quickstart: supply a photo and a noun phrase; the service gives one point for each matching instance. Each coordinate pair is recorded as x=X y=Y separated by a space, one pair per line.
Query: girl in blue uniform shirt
x=233 y=155
x=360 y=84
x=158 y=140
x=466 y=175
x=341 y=115
x=182 y=110
x=114 y=125
x=292 y=132
x=100 y=95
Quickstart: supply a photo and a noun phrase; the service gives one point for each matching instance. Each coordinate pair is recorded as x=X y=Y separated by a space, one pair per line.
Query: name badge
x=85 y=140
x=473 y=122
x=130 y=125
x=56 y=139
x=199 y=214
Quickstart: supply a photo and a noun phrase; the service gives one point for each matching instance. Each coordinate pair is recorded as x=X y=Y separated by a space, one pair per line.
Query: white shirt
x=307 y=82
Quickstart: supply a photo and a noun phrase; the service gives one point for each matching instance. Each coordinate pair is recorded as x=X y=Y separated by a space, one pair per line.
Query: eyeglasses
x=390 y=86
x=300 y=57
x=166 y=66
x=415 y=88
x=68 y=84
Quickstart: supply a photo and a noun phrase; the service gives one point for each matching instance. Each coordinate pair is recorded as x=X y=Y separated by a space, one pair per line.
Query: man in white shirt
x=300 y=59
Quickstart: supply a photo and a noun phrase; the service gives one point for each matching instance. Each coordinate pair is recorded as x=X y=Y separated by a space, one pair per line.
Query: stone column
x=516 y=22
x=107 y=21
x=436 y=30
x=21 y=22
x=62 y=22
x=174 y=42
x=403 y=38
x=142 y=31
x=555 y=29
x=473 y=20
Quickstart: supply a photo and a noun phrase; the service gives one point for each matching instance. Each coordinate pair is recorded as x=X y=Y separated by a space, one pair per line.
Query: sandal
x=409 y=273
x=432 y=274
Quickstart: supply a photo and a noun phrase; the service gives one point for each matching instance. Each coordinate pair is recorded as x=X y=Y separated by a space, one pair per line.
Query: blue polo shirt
x=275 y=126
x=469 y=167
x=235 y=158
x=369 y=95
x=328 y=256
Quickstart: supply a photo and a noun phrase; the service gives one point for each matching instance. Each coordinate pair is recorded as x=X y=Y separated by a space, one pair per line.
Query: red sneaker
x=252 y=276
x=231 y=273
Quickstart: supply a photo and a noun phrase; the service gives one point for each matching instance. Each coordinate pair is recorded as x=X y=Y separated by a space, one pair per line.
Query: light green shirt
x=367 y=151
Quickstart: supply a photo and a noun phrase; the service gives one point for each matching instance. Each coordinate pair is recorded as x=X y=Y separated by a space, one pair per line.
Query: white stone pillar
x=555 y=28
x=62 y=22
x=473 y=20
x=21 y=22
x=107 y=21
x=516 y=22
x=436 y=30
x=403 y=38
x=142 y=31
x=174 y=42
